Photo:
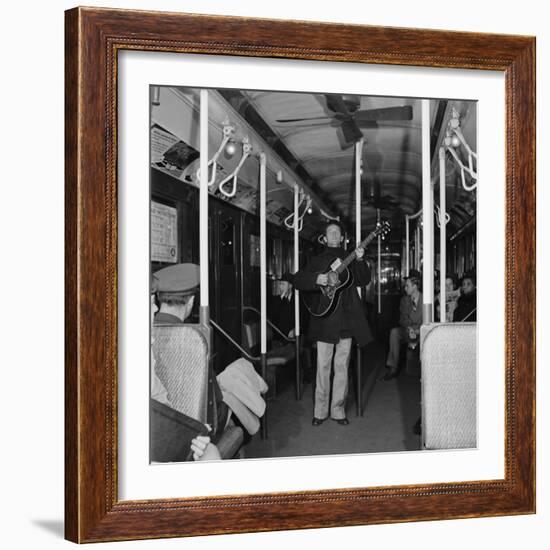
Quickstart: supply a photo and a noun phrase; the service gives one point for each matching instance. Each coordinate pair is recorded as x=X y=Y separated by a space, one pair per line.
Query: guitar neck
x=353 y=255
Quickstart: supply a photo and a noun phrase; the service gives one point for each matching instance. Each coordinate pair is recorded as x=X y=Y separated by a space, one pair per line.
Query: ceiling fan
x=346 y=114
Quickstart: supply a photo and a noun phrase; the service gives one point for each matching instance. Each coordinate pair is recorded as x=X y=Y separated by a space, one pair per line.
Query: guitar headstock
x=382 y=229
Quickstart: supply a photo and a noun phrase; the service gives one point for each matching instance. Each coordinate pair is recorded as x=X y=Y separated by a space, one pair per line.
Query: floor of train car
x=390 y=410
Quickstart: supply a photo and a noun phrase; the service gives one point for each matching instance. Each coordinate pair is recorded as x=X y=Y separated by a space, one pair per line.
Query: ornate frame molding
x=93 y=38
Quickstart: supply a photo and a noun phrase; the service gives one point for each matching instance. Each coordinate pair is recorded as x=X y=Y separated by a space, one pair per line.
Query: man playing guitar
x=333 y=331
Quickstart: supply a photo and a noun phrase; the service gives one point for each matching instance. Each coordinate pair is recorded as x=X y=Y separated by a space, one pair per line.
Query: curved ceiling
x=392 y=152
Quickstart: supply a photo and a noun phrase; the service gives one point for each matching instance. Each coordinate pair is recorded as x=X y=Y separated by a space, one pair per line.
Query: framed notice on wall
x=164 y=233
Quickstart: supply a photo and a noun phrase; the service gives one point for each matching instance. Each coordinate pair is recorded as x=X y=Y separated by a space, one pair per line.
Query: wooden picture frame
x=93 y=39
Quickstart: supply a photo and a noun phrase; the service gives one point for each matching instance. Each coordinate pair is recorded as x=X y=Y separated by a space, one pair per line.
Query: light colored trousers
x=341 y=352
x=398 y=336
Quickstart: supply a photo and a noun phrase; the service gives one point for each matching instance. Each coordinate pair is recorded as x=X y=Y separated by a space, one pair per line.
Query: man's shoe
x=317 y=421
x=341 y=421
x=389 y=376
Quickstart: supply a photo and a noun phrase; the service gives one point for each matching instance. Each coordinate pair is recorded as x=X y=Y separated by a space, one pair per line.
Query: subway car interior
x=244 y=184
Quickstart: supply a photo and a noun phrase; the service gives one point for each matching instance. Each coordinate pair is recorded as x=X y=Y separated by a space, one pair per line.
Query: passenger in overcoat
x=334 y=332
x=176 y=287
x=467 y=302
x=410 y=320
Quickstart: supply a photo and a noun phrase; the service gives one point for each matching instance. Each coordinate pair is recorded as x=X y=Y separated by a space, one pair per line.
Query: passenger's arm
x=403 y=313
x=361 y=272
x=415 y=319
x=306 y=279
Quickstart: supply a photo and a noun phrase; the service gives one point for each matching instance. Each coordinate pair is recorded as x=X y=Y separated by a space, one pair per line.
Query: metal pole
x=415 y=238
x=427 y=218
x=358 y=155
x=407 y=251
x=358 y=162
x=263 y=280
x=203 y=209
x=379 y=266
x=419 y=251
x=297 y=293
x=442 y=238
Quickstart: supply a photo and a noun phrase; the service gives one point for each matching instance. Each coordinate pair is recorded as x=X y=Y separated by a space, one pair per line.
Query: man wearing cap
x=177 y=286
x=201 y=447
x=410 y=319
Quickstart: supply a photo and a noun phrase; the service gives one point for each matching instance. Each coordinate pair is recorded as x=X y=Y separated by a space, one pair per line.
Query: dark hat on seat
x=180 y=279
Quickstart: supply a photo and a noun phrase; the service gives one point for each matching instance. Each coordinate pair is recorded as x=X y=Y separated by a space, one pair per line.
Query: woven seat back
x=449 y=394
x=181 y=355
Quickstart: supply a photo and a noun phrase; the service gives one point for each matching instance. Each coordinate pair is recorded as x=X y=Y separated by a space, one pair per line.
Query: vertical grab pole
x=407 y=250
x=204 y=309
x=379 y=269
x=263 y=281
x=442 y=238
x=419 y=249
x=415 y=237
x=203 y=209
x=358 y=163
x=297 y=293
x=427 y=218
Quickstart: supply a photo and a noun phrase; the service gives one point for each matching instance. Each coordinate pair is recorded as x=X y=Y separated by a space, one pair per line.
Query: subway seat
x=449 y=392
x=182 y=365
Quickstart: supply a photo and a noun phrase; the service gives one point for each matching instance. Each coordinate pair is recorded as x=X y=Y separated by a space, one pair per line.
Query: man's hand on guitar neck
x=359 y=252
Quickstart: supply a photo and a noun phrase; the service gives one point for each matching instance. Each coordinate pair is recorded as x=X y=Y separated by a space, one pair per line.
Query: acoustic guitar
x=339 y=278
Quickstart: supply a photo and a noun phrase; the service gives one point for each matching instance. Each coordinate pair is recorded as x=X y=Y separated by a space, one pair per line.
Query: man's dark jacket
x=466 y=308
x=348 y=319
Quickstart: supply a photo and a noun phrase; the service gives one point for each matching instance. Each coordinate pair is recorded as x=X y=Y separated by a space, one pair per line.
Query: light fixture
x=230 y=148
x=455 y=141
x=155 y=95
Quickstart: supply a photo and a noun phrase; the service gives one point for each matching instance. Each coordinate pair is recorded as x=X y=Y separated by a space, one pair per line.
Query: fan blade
x=389 y=113
x=367 y=124
x=302 y=119
x=336 y=104
x=351 y=132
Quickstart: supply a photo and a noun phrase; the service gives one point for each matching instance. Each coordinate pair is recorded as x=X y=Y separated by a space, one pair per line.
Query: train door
x=225 y=288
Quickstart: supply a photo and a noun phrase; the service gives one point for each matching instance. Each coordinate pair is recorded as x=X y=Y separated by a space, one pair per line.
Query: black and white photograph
x=313 y=268
x=256 y=298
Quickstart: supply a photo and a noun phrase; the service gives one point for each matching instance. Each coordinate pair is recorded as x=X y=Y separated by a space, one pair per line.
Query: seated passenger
x=410 y=319
x=451 y=296
x=281 y=311
x=176 y=287
x=281 y=308
x=467 y=302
